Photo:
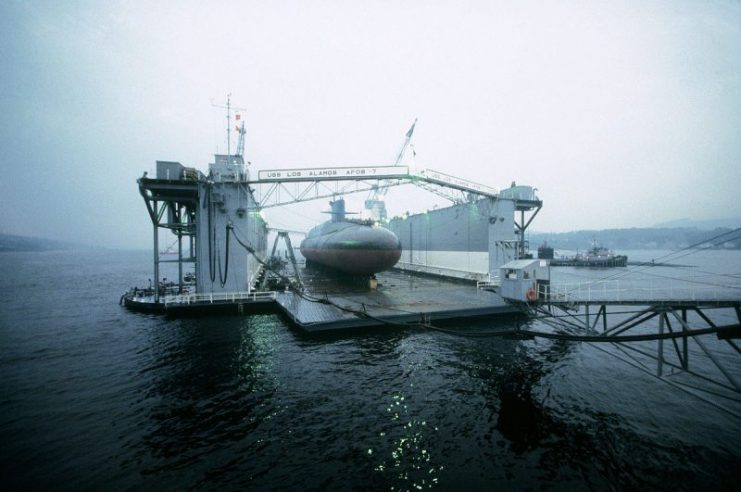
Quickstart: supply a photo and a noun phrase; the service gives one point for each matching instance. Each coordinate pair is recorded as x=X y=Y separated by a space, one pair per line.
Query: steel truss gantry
x=655 y=338
x=176 y=202
x=276 y=193
x=271 y=272
x=284 y=190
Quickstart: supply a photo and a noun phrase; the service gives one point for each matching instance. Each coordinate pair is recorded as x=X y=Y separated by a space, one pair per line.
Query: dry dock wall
x=227 y=202
x=467 y=240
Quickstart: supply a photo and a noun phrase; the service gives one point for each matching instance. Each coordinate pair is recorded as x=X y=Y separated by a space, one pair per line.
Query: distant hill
x=644 y=238
x=9 y=242
x=708 y=225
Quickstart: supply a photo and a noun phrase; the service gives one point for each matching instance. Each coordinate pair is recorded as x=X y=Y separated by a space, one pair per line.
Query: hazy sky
x=622 y=114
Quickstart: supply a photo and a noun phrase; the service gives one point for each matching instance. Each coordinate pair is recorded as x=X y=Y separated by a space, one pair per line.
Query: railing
x=636 y=290
x=218 y=297
x=492 y=283
x=440 y=270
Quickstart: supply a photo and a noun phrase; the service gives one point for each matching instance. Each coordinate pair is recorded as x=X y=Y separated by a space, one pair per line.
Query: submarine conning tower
x=338 y=210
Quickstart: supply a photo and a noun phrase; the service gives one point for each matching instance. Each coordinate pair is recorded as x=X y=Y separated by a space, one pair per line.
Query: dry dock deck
x=400 y=298
x=331 y=303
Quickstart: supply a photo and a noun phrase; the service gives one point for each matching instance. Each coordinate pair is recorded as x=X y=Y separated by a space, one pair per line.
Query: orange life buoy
x=531 y=294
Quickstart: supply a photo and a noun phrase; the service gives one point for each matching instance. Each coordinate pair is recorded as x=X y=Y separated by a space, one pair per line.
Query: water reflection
x=404 y=455
x=568 y=441
x=522 y=418
x=210 y=382
x=245 y=402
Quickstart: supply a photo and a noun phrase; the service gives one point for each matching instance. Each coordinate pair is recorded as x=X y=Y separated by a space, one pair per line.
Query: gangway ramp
x=641 y=292
x=657 y=329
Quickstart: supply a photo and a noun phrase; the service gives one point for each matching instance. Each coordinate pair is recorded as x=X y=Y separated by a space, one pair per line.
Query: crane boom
x=404 y=146
x=376 y=201
x=240 y=143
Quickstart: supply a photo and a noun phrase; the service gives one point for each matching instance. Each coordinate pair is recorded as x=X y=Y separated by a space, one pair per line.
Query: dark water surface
x=93 y=396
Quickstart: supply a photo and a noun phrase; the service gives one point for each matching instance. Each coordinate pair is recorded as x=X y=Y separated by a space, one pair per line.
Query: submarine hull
x=354 y=262
x=352 y=248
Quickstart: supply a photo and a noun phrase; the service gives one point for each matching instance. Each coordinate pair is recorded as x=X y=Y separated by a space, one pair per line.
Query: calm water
x=93 y=396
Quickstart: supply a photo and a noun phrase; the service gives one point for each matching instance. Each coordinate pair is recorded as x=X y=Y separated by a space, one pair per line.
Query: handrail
x=632 y=290
x=487 y=284
x=439 y=270
x=212 y=297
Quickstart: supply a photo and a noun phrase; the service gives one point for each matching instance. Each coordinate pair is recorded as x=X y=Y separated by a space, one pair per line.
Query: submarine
x=355 y=247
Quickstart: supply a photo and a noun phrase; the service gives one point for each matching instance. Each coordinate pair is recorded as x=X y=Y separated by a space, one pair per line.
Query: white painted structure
x=524 y=280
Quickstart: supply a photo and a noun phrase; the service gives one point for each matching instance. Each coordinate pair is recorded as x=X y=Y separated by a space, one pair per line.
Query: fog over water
x=621 y=114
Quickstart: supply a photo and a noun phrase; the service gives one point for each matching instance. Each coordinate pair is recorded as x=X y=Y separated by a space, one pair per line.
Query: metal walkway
x=651 y=329
x=641 y=292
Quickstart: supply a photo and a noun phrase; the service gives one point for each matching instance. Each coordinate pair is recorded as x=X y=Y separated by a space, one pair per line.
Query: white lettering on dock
x=437 y=176
x=333 y=173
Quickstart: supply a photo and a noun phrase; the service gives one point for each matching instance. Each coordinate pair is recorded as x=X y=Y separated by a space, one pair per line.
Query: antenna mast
x=228 y=108
x=229 y=127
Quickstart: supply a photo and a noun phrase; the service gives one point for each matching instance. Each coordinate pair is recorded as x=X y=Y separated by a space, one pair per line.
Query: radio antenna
x=228 y=107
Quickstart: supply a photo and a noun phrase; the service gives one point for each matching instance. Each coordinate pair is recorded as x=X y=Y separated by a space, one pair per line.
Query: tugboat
x=596 y=256
x=599 y=256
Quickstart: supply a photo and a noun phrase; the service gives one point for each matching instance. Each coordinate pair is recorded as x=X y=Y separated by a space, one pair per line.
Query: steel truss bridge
x=278 y=187
x=657 y=331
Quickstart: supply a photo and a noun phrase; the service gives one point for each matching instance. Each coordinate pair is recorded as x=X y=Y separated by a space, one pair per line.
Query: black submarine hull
x=352 y=248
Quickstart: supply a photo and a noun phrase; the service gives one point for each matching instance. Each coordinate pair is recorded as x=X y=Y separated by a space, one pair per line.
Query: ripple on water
x=95 y=396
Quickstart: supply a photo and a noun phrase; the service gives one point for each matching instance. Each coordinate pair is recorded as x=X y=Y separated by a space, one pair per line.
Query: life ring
x=531 y=294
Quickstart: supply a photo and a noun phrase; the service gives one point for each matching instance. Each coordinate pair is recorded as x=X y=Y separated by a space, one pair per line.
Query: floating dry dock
x=221 y=237
x=326 y=305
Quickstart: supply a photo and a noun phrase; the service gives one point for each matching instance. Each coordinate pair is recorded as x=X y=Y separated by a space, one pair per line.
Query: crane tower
x=376 y=203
